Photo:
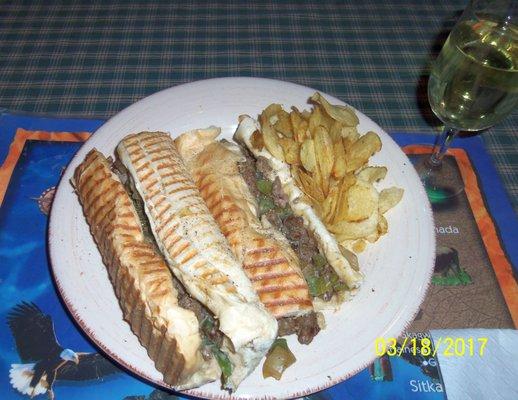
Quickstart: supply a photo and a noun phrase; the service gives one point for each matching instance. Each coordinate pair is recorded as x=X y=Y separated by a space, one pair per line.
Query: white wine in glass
x=474 y=81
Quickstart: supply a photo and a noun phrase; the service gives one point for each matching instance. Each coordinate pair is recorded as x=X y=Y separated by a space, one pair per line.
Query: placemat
x=473 y=284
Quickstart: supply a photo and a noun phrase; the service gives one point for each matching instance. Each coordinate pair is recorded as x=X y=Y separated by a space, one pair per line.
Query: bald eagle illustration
x=44 y=359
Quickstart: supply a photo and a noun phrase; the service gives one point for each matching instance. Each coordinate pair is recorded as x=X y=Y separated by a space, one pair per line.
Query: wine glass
x=474 y=81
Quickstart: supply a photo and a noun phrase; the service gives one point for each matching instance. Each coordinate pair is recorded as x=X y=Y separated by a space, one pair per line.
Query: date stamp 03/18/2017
x=423 y=345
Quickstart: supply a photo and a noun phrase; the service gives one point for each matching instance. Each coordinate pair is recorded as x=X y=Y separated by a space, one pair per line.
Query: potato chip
x=335 y=131
x=350 y=133
x=371 y=174
x=339 y=113
x=307 y=155
x=359 y=246
x=346 y=230
x=306 y=115
x=373 y=237
x=327 y=121
x=271 y=141
x=315 y=192
x=315 y=119
x=295 y=120
x=388 y=198
x=295 y=173
x=321 y=179
x=382 y=225
x=339 y=167
x=347 y=144
x=360 y=151
x=283 y=124
x=269 y=114
x=257 y=140
x=362 y=201
x=324 y=152
x=305 y=127
x=309 y=187
x=291 y=150
x=301 y=133
x=329 y=205
x=342 y=207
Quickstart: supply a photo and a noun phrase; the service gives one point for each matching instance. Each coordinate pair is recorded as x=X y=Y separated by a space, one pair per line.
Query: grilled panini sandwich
x=196 y=251
x=265 y=253
x=141 y=279
x=343 y=263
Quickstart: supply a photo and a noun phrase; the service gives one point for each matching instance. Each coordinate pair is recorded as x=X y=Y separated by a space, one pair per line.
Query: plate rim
x=134 y=370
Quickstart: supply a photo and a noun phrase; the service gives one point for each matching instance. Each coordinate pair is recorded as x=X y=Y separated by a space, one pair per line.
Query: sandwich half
x=196 y=251
x=265 y=253
x=142 y=281
x=342 y=261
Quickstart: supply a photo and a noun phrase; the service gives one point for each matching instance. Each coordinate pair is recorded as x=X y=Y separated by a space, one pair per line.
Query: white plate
x=397 y=268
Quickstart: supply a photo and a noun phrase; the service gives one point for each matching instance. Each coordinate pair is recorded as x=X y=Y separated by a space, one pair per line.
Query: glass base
x=437 y=185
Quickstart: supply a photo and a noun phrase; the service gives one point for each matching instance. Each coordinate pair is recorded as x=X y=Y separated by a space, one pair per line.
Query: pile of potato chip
x=329 y=162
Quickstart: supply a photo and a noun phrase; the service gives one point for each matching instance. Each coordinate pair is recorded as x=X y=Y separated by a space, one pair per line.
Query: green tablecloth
x=93 y=58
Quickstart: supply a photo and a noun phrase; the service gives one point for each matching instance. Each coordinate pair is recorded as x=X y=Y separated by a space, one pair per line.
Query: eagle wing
x=90 y=366
x=33 y=333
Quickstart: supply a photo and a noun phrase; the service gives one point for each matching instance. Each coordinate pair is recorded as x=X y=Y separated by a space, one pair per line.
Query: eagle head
x=69 y=355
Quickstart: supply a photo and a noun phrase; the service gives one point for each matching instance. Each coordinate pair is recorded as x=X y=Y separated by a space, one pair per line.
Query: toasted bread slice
x=140 y=277
x=266 y=255
x=195 y=249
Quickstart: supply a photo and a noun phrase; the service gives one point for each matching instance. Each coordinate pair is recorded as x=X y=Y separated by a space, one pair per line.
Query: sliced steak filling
x=323 y=282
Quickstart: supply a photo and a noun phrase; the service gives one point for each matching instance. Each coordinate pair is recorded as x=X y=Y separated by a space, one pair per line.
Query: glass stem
x=442 y=145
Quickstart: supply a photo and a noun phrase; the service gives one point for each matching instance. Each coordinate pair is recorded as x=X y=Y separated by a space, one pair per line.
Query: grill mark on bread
x=151 y=184
x=166 y=223
x=180 y=189
x=204 y=187
x=126 y=227
x=159 y=158
x=177 y=250
x=230 y=210
x=138 y=159
x=208 y=196
x=92 y=186
x=189 y=196
x=142 y=167
x=146 y=175
x=150 y=141
x=172 y=240
x=110 y=194
x=189 y=256
x=264 y=263
x=230 y=232
x=169 y=184
x=293 y=301
x=160 y=200
x=276 y=275
x=153 y=151
x=126 y=215
x=279 y=288
x=261 y=250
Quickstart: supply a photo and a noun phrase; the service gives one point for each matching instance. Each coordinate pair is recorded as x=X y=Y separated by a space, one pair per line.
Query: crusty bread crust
x=267 y=257
x=140 y=277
